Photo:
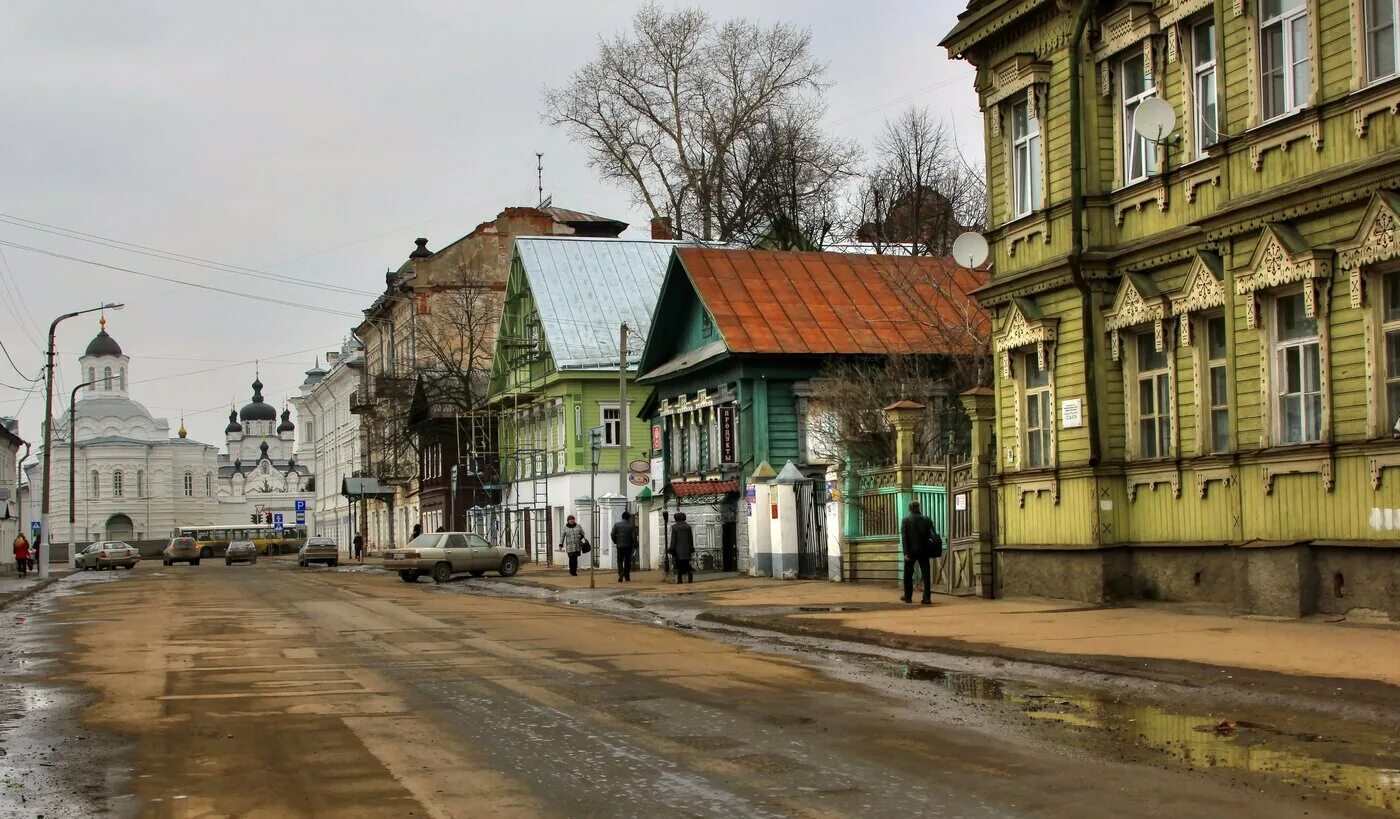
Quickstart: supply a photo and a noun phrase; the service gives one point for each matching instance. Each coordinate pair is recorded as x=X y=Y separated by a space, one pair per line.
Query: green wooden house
x=1198 y=338
x=555 y=378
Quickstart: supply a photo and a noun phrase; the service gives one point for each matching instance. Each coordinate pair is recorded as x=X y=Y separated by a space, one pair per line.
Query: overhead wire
x=16 y=366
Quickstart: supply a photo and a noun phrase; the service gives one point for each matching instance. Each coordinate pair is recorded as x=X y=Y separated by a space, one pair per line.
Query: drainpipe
x=1076 y=196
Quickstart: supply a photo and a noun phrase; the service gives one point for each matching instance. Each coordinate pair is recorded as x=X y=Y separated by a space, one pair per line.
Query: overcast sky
x=315 y=140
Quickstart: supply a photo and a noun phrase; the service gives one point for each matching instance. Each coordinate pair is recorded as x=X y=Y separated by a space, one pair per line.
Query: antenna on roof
x=539 y=176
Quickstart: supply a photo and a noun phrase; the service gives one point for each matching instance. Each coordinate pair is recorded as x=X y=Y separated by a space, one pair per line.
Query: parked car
x=319 y=550
x=181 y=550
x=443 y=554
x=108 y=554
x=240 y=551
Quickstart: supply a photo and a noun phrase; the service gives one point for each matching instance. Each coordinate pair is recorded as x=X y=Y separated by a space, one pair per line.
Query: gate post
x=786 y=524
x=904 y=417
x=980 y=403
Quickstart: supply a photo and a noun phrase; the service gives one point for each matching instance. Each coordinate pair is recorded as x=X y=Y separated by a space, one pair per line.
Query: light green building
x=555 y=378
x=1198 y=337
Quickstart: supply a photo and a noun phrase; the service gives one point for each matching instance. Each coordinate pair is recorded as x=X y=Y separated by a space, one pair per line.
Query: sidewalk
x=14 y=588
x=1057 y=629
x=650 y=581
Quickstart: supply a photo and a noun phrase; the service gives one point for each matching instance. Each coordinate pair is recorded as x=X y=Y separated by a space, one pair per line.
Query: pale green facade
x=1215 y=418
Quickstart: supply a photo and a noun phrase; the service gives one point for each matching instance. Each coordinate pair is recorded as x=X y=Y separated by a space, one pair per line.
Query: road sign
x=35 y=526
x=301 y=518
x=640 y=466
x=277 y=521
x=639 y=479
x=300 y=506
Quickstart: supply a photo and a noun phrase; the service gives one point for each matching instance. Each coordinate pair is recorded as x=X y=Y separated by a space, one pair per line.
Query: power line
x=16 y=366
x=267 y=299
x=16 y=301
x=155 y=252
x=872 y=109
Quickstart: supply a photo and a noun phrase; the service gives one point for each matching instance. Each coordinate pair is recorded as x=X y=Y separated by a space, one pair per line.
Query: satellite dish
x=1154 y=119
x=970 y=249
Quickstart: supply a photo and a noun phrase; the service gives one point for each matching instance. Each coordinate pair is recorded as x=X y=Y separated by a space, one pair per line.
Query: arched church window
x=96 y=485
x=140 y=483
x=117 y=484
x=123 y=380
x=92 y=378
x=208 y=486
x=189 y=484
x=107 y=378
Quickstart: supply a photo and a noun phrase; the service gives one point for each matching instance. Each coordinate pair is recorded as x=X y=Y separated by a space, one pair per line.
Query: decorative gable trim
x=1131 y=25
x=1375 y=241
x=1284 y=257
x=1025 y=326
x=1021 y=75
x=1137 y=302
x=1204 y=290
x=1174 y=14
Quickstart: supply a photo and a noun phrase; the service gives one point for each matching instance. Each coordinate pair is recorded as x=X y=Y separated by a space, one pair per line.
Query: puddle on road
x=1360 y=767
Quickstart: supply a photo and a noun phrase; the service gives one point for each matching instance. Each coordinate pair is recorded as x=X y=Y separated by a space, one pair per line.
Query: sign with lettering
x=1072 y=413
x=728 y=452
x=960 y=502
x=639 y=479
x=301 y=506
x=655 y=437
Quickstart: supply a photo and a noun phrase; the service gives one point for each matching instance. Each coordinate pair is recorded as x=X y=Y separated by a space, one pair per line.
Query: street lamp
x=595 y=436
x=72 y=449
x=44 y=549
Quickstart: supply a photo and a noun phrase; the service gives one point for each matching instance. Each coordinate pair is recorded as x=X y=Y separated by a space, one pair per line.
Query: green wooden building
x=555 y=378
x=1198 y=336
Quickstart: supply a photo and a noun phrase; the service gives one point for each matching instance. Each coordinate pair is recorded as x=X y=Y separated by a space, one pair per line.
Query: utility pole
x=623 y=416
x=595 y=437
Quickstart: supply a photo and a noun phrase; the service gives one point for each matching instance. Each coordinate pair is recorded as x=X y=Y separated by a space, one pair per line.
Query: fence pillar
x=785 y=524
x=904 y=417
x=980 y=403
x=760 y=521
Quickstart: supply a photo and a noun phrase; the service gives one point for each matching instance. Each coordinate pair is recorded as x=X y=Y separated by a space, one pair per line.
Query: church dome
x=103 y=344
x=286 y=425
x=233 y=425
x=258 y=409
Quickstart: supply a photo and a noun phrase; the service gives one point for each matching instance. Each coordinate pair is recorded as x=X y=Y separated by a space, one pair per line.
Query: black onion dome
x=257 y=409
x=103 y=345
x=262 y=450
x=233 y=425
x=286 y=425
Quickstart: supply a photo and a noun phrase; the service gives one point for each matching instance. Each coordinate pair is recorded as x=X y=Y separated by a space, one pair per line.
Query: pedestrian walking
x=21 y=554
x=417 y=530
x=624 y=538
x=574 y=543
x=359 y=546
x=683 y=548
x=920 y=543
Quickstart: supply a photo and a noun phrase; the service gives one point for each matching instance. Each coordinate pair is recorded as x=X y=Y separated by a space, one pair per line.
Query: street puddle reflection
x=1359 y=763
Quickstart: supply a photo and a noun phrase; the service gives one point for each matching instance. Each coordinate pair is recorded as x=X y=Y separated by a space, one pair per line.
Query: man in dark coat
x=920 y=542
x=624 y=538
x=683 y=548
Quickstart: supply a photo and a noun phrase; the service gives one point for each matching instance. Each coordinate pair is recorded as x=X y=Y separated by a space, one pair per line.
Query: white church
x=135 y=482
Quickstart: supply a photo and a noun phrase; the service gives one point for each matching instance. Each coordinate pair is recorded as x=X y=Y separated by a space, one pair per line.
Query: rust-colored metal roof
x=688 y=489
x=768 y=301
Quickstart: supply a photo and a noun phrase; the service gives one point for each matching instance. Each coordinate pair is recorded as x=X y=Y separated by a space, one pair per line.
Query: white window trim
x=1023 y=393
x=624 y=428
x=1380 y=425
x=1129 y=138
x=1032 y=142
x=1196 y=71
x=1291 y=103
x=117 y=488
x=1361 y=36
x=1204 y=420
x=1131 y=378
x=1272 y=364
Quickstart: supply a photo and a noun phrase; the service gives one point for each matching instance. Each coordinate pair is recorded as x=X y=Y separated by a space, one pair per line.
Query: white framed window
x=117 y=484
x=1381 y=46
x=107 y=379
x=189 y=484
x=1153 y=385
x=1217 y=387
x=1040 y=414
x=92 y=378
x=1205 y=93
x=96 y=486
x=1297 y=372
x=140 y=483
x=612 y=424
x=1139 y=155
x=208 y=485
x=1285 y=76
x=1390 y=363
x=1026 y=194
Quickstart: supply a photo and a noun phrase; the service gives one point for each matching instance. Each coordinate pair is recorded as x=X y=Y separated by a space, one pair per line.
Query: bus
x=214 y=539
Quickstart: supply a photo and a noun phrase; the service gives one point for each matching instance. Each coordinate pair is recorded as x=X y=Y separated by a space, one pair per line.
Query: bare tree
x=678 y=111
x=920 y=192
x=456 y=338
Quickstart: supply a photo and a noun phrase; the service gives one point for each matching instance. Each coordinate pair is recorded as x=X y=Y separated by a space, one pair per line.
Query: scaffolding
x=526 y=511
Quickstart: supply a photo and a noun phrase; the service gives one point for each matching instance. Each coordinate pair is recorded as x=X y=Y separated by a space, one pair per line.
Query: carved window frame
x=1178 y=23
x=1313 y=13
x=1131 y=26
x=1202 y=297
x=1141 y=311
x=1284 y=263
x=1363 y=259
x=1026 y=331
x=1361 y=46
x=1020 y=78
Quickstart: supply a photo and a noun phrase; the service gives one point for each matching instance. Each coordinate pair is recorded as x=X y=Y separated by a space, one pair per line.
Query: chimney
x=11 y=424
x=332 y=357
x=661 y=228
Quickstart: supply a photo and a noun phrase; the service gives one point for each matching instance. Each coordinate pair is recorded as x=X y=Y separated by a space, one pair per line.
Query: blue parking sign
x=300 y=507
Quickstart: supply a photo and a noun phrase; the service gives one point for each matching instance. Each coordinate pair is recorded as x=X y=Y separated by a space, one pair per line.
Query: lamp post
x=595 y=436
x=45 y=549
x=72 y=449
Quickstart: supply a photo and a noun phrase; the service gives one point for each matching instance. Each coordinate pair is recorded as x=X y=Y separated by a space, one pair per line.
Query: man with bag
x=921 y=544
x=574 y=543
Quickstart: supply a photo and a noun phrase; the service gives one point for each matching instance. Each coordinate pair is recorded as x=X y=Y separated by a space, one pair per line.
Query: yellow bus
x=214 y=539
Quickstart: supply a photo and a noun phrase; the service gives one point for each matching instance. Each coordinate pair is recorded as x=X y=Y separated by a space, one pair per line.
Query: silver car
x=108 y=554
x=240 y=551
x=443 y=554
x=319 y=550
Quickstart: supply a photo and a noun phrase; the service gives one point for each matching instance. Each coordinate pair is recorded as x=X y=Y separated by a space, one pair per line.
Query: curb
x=20 y=594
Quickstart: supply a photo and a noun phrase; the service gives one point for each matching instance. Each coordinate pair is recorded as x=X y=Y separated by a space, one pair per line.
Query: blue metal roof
x=585 y=289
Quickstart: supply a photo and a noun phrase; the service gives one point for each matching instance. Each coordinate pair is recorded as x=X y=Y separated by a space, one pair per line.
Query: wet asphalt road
x=274 y=691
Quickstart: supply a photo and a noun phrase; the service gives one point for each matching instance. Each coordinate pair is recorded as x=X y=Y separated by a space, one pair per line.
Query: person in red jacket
x=23 y=554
